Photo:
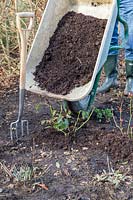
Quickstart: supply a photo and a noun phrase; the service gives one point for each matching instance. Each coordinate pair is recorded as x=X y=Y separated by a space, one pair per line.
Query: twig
x=85 y=121
x=129 y=122
x=79 y=60
x=75 y=125
x=6 y=170
x=109 y=165
x=116 y=124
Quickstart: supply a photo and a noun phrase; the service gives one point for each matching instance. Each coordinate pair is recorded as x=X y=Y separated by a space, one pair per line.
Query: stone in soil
x=70 y=59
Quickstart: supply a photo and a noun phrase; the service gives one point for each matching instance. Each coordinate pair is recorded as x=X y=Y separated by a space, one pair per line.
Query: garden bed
x=69 y=170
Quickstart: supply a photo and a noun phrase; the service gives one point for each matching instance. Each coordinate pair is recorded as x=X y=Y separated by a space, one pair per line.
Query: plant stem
x=129 y=123
x=85 y=121
x=75 y=125
x=116 y=124
x=121 y=115
x=131 y=134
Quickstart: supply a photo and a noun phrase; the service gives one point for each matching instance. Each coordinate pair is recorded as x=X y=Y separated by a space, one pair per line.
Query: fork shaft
x=21 y=103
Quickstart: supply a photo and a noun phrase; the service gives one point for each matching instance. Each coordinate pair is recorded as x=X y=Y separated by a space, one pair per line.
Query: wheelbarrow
x=80 y=98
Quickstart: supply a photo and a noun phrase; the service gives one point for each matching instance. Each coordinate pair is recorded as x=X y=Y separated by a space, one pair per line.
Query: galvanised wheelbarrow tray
x=54 y=11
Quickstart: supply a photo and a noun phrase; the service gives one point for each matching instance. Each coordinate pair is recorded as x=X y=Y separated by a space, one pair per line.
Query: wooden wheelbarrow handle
x=24 y=35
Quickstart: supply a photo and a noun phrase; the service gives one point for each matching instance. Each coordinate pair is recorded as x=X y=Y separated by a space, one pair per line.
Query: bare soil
x=67 y=172
x=70 y=59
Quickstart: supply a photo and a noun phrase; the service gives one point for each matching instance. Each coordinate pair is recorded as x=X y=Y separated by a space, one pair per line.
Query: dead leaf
x=42 y=185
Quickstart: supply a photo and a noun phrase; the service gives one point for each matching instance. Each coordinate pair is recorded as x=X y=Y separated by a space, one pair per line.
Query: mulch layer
x=70 y=59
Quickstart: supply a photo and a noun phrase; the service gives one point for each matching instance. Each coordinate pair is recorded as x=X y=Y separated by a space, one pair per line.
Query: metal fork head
x=18 y=128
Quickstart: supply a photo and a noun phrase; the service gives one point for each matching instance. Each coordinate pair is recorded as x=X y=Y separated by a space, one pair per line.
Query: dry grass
x=9 y=38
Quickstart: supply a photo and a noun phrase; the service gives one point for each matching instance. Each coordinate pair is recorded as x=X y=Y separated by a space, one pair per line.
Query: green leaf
x=85 y=114
x=61 y=124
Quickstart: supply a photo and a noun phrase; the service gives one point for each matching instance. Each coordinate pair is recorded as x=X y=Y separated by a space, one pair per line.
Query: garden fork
x=18 y=126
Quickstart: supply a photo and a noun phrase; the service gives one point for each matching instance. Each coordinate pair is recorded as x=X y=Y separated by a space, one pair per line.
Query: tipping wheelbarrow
x=80 y=98
x=54 y=11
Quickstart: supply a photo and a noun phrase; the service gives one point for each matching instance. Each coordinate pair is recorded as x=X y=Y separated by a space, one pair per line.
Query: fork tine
x=13 y=130
x=27 y=126
x=11 y=133
x=22 y=127
x=14 y=127
x=24 y=123
x=16 y=132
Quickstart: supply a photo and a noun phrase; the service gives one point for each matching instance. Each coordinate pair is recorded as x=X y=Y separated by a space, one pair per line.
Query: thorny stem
x=129 y=123
x=121 y=120
x=75 y=125
x=131 y=135
x=120 y=126
x=76 y=129
x=116 y=124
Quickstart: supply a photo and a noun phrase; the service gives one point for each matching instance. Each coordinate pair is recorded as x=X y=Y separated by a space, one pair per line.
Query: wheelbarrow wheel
x=76 y=106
